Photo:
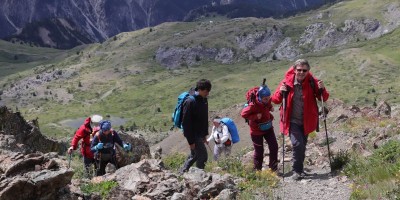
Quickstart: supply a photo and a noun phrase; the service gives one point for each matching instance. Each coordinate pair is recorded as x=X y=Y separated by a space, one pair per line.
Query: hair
x=301 y=62
x=203 y=84
x=217 y=119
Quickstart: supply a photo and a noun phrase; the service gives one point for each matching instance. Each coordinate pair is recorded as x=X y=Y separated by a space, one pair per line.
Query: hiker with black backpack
x=195 y=125
x=103 y=146
x=222 y=138
x=258 y=113
x=300 y=90
x=85 y=131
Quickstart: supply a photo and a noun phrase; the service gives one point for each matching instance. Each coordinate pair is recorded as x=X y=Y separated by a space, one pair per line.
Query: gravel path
x=318 y=185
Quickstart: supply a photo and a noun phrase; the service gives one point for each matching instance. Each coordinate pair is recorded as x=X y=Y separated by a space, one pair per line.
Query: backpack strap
x=312 y=83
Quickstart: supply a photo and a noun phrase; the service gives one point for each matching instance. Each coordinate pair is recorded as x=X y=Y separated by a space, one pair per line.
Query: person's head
x=217 y=121
x=264 y=94
x=301 y=68
x=96 y=119
x=203 y=87
x=105 y=126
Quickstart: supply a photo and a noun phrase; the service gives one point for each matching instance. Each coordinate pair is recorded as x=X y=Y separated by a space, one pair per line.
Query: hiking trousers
x=88 y=162
x=258 y=143
x=218 y=150
x=299 y=142
x=198 y=155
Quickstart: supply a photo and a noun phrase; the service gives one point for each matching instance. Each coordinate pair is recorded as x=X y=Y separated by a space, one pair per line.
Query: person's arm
x=95 y=141
x=211 y=135
x=249 y=113
x=277 y=97
x=187 y=120
x=225 y=134
x=117 y=139
x=79 y=134
x=321 y=86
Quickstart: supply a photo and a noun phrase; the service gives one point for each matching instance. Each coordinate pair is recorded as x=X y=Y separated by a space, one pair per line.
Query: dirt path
x=318 y=185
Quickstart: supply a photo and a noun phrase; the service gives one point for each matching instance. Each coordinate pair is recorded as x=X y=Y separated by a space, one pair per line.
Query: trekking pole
x=209 y=147
x=326 y=130
x=69 y=160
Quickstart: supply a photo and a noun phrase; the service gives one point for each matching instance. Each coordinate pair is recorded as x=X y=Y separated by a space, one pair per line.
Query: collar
x=296 y=82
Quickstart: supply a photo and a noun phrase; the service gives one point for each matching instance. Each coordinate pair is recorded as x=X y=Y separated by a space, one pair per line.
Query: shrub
x=103 y=188
x=174 y=161
x=340 y=160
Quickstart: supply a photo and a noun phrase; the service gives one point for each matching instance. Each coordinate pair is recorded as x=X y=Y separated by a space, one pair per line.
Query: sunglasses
x=302 y=70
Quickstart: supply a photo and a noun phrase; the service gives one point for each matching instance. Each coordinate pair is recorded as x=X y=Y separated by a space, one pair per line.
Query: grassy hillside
x=120 y=77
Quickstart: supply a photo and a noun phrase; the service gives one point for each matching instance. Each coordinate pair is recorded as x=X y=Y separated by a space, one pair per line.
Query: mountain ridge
x=100 y=20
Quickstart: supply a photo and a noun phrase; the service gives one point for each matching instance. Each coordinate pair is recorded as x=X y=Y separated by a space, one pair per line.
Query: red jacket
x=250 y=112
x=84 y=132
x=310 y=118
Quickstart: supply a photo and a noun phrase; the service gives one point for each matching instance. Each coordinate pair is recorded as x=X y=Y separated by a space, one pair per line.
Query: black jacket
x=195 y=118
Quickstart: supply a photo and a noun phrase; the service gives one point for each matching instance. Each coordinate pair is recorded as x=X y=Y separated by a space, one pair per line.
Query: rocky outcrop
x=32 y=176
x=17 y=135
x=30 y=167
x=148 y=179
x=140 y=149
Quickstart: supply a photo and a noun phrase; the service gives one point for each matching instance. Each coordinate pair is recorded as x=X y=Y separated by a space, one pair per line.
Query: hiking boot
x=296 y=176
x=303 y=174
x=182 y=171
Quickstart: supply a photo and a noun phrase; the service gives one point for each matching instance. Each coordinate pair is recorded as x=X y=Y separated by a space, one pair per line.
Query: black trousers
x=198 y=155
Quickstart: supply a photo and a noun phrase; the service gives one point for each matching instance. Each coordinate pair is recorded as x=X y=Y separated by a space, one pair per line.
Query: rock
x=17 y=131
x=157 y=153
x=178 y=196
x=226 y=194
x=383 y=109
x=110 y=168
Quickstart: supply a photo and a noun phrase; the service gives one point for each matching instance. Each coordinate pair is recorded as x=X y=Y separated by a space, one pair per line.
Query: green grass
x=376 y=176
x=103 y=188
x=141 y=86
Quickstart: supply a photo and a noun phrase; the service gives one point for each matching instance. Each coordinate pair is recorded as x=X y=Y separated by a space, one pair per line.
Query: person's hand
x=192 y=146
x=99 y=146
x=205 y=140
x=259 y=115
x=70 y=149
x=218 y=140
x=283 y=88
x=127 y=147
x=321 y=84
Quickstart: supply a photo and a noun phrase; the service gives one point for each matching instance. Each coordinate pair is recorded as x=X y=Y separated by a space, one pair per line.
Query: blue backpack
x=177 y=114
x=232 y=129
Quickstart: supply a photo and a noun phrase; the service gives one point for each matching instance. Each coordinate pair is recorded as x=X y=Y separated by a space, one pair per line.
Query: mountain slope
x=99 y=20
x=127 y=77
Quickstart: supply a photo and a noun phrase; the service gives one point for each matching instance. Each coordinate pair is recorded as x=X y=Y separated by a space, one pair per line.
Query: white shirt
x=222 y=133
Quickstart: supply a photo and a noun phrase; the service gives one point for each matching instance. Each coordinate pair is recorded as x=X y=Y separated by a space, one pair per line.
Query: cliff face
x=67 y=23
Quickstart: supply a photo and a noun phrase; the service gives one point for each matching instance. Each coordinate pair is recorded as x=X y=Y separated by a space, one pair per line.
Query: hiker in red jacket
x=301 y=116
x=85 y=131
x=260 y=122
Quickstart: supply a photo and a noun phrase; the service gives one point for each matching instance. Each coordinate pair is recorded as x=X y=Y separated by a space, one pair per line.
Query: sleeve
x=277 y=97
x=225 y=134
x=79 y=134
x=187 y=120
x=249 y=113
x=117 y=139
x=211 y=135
x=95 y=141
